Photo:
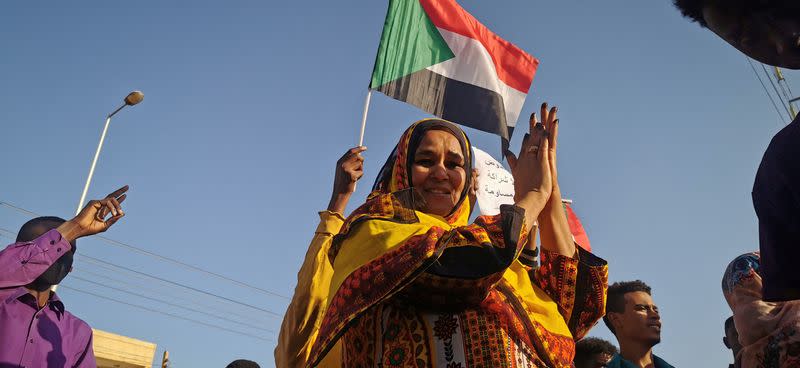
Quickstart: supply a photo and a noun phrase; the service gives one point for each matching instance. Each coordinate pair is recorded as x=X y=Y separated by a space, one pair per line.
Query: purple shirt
x=33 y=337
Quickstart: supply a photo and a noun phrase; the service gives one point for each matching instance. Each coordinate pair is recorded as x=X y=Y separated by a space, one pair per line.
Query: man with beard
x=768 y=31
x=633 y=318
x=35 y=328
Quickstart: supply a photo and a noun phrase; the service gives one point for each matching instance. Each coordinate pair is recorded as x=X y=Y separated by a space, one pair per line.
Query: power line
x=97 y=260
x=109 y=268
x=777 y=110
x=161 y=257
x=83 y=270
x=73 y=277
x=166 y=313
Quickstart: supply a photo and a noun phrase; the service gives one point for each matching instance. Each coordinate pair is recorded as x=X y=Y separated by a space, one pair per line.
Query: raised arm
x=556 y=236
x=575 y=279
x=22 y=262
x=309 y=302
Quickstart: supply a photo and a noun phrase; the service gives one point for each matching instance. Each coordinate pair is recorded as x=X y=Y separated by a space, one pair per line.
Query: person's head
x=55 y=273
x=742 y=276
x=592 y=352
x=731 y=339
x=765 y=30
x=434 y=157
x=631 y=314
x=243 y=363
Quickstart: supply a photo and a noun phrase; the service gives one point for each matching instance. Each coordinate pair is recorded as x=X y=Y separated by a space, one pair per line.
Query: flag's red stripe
x=576 y=228
x=514 y=67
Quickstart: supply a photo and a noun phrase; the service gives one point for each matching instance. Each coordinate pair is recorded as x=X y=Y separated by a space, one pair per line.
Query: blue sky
x=248 y=104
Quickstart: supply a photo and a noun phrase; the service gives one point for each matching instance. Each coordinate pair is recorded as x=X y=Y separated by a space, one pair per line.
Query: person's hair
x=692 y=9
x=615 y=301
x=588 y=347
x=32 y=229
x=729 y=323
x=243 y=363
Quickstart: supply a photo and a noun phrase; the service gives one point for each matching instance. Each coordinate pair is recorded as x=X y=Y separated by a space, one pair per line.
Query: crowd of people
x=405 y=280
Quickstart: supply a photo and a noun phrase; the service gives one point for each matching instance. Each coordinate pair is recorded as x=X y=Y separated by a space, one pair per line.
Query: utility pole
x=165 y=360
x=791 y=99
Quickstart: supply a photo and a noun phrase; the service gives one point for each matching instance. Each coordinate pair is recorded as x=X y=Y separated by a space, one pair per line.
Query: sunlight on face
x=438 y=172
x=641 y=320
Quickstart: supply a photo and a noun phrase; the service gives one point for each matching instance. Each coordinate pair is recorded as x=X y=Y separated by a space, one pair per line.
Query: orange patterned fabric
x=578 y=286
x=370 y=285
x=490 y=335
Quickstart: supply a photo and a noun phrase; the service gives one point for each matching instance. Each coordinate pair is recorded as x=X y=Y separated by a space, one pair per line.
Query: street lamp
x=133 y=98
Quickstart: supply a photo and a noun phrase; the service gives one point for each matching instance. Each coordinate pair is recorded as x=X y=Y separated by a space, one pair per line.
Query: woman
x=768 y=332
x=415 y=285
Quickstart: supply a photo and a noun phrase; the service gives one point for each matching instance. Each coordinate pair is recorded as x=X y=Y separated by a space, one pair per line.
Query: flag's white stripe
x=474 y=65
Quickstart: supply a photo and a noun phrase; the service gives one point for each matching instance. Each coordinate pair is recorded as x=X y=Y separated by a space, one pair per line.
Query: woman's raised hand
x=531 y=169
x=349 y=169
x=550 y=122
x=553 y=224
x=533 y=180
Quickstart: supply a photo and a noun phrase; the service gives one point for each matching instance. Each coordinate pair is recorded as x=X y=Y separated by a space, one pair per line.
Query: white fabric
x=472 y=64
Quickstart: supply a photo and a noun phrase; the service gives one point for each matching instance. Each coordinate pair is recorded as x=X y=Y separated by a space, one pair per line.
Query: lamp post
x=133 y=98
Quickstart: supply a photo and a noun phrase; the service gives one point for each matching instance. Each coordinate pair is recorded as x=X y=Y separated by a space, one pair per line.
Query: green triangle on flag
x=410 y=42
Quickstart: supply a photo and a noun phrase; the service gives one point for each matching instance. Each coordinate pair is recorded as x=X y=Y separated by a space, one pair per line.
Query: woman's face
x=438 y=172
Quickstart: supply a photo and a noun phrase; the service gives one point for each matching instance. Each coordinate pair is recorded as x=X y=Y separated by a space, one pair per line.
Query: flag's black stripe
x=452 y=100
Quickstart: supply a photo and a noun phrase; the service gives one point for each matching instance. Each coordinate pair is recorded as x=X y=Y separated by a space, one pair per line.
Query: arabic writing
x=495 y=184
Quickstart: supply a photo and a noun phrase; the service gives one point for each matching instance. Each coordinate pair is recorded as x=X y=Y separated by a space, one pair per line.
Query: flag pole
x=364 y=118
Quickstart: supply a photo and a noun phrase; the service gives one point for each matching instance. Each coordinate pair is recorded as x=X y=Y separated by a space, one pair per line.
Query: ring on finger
x=533 y=149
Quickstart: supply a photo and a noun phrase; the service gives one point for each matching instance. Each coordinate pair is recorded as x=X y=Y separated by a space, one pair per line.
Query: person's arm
x=307 y=308
x=21 y=263
x=576 y=284
x=308 y=305
x=575 y=279
x=86 y=357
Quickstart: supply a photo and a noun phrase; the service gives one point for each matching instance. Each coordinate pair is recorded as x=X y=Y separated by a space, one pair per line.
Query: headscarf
x=395 y=175
x=768 y=332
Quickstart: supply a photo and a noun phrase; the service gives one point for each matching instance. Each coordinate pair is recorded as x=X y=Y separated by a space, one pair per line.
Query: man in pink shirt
x=35 y=329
